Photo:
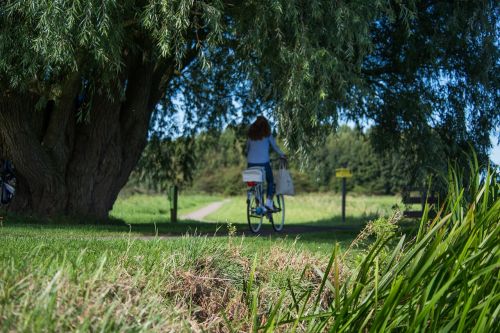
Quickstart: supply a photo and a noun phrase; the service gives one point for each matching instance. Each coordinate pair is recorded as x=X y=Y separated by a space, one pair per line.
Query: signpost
x=343 y=173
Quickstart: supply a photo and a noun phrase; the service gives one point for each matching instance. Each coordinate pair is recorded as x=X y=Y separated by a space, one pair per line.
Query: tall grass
x=180 y=285
x=445 y=279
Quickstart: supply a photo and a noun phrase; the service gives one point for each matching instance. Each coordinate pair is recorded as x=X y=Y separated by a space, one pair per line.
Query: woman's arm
x=275 y=146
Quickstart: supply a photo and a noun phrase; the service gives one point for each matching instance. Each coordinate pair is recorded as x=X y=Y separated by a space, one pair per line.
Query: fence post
x=173 y=203
x=343 y=173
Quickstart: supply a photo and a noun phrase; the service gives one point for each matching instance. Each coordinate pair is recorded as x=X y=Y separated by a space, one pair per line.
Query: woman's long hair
x=260 y=129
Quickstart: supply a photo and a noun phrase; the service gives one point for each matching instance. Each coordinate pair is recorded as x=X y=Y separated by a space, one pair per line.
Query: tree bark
x=67 y=167
x=39 y=179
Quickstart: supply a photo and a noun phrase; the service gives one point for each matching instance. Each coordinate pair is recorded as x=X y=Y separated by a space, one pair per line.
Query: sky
x=495 y=152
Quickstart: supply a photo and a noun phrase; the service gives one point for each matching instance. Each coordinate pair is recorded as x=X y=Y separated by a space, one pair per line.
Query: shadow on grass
x=336 y=221
x=151 y=228
x=325 y=230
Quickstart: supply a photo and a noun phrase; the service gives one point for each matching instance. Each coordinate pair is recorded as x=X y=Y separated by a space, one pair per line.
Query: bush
x=223 y=180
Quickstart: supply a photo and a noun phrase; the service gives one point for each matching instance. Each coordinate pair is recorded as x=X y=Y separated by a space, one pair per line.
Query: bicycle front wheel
x=278 y=217
x=253 y=217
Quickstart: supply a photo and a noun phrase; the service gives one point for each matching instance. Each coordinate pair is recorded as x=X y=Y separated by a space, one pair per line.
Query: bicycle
x=7 y=183
x=255 y=178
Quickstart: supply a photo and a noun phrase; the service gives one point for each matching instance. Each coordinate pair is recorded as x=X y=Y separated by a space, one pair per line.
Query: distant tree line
x=212 y=162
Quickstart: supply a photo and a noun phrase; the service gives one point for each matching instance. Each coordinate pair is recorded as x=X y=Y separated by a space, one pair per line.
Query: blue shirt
x=258 y=150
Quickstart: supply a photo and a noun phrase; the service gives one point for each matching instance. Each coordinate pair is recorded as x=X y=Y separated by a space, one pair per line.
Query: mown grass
x=156 y=208
x=136 y=215
x=141 y=216
x=150 y=215
x=36 y=234
x=319 y=209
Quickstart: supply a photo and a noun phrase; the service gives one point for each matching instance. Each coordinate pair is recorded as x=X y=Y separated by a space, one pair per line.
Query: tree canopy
x=423 y=72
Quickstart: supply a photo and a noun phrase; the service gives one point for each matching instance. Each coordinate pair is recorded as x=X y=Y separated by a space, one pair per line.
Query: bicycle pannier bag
x=254 y=174
x=284 y=184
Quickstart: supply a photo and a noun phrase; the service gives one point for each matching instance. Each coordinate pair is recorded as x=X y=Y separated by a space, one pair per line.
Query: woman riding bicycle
x=259 y=141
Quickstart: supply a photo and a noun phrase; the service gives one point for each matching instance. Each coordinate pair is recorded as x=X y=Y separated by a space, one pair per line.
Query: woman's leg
x=249 y=165
x=269 y=180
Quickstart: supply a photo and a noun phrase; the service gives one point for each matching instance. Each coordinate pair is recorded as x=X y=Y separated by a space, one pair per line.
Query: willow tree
x=82 y=82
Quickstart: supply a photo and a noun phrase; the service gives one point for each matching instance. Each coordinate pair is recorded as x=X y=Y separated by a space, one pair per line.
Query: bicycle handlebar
x=283 y=161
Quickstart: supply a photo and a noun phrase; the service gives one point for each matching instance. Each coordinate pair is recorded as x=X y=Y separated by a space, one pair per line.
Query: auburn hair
x=260 y=129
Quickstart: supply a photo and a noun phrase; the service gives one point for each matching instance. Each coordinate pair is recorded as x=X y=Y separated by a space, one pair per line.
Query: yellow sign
x=343 y=173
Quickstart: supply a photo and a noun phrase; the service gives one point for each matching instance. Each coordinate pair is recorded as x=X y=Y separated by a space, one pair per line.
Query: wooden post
x=173 y=203
x=343 y=173
x=343 y=199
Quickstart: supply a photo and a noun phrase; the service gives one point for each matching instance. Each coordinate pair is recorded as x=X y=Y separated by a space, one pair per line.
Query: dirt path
x=200 y=214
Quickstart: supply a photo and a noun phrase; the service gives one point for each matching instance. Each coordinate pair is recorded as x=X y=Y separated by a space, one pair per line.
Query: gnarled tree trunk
x=70 y=167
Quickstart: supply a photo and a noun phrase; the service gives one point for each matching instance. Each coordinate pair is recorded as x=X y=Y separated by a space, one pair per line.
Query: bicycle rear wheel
x=253 y=217
x=278 y=217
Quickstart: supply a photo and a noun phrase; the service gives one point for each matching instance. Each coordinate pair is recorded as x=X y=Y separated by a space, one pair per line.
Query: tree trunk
x=70 y=167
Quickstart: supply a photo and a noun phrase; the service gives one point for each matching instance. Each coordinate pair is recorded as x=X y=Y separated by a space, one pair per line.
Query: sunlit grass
x=140 y=215
x=322 y=209
x=156 y=208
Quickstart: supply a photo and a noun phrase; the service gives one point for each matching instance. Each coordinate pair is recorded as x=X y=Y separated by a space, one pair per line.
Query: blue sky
x=495 y=152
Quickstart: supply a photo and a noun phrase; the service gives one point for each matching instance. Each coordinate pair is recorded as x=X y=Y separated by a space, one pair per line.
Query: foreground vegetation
x=66 y=278
x=444 y=277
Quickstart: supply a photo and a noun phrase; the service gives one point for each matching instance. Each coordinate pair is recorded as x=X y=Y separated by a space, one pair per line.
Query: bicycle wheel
x=278 y=217
x=253 y=217
x=7 y=189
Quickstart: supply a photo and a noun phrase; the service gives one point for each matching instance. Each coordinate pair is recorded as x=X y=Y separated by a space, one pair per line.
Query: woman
x=259 y=140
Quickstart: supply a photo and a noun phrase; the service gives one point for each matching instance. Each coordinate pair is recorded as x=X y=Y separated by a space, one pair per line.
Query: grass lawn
x=149 y=215
x=135 y=215
x=57 y=276
x=322 y=209
x=62 y=277
x=143 y=215
x=138 y=209
x=75 y=273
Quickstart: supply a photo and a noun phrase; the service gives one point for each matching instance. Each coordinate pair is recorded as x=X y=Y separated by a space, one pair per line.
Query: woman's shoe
x=270 y=205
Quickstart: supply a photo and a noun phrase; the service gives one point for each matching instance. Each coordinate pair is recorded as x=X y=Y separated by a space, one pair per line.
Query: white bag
x=284 y=184
x=254 y=174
